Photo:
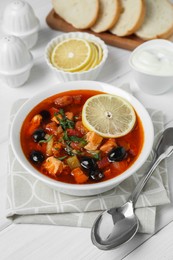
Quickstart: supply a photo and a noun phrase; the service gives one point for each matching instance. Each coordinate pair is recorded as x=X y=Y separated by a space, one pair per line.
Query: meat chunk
x=104 y=162
x=63 y=101
x=94 y=140
x=106 y=147
x=77 y=99
x=53 y=128
x=35 y=123
x=80 y=127
x=53 y=166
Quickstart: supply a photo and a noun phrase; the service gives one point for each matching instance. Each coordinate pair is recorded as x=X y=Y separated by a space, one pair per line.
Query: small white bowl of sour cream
x=152 y=66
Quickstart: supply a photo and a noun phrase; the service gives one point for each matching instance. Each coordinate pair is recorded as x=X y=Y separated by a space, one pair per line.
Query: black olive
x=116 y=154
x=38 y=135
x=88 y=163
x=45 y=115
x=96 y=175
x=36 y=156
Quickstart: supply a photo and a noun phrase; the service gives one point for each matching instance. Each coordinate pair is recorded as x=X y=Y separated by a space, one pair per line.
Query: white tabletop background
x=52 y=242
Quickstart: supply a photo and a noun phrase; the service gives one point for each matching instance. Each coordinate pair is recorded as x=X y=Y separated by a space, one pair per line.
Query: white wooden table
x=51 y=242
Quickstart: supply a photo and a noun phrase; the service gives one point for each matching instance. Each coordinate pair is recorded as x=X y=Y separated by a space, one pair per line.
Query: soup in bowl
x=54 y=140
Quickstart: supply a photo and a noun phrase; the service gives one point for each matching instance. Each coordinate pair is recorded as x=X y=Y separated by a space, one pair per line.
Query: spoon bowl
x=117 y=226
x=122 y=224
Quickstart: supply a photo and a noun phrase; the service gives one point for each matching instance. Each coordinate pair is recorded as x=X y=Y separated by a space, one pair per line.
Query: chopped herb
x=97 y=156
x=64 y=121
x=62 y=158
x=61 y=112
x=65 y=136
x=78 y=139
x=69 y=123
x=46 y=140
x=78 y=152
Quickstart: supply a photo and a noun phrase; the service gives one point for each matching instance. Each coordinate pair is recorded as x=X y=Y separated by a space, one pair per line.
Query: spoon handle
x=147 y=176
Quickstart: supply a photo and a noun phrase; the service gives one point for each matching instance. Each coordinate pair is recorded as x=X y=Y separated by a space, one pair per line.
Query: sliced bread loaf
x=131 y=18
x=109 y=12
x=81 y=14
x=158 y=22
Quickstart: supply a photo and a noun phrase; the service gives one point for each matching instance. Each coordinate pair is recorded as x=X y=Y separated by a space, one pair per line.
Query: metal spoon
x=116 y=226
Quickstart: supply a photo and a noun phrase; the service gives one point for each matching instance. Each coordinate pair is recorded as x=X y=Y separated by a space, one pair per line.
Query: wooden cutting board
x=128 y=43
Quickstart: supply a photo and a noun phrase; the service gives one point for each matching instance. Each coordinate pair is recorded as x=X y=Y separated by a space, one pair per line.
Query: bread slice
x=109 y=12
x=131 y=17
x=158 y=22
x=82 y=14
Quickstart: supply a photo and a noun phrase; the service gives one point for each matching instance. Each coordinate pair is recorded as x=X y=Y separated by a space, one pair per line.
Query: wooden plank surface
x=128 y=43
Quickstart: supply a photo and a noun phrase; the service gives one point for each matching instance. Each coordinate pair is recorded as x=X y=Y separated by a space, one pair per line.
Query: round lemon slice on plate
x=71 y=55
x=108 y=115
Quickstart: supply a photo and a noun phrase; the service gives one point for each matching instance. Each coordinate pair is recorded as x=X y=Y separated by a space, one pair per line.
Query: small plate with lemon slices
x=76 y=56
x=85 y=136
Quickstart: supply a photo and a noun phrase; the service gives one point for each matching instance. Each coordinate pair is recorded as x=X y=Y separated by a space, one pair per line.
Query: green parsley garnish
x=64 y=121
x=46 y=140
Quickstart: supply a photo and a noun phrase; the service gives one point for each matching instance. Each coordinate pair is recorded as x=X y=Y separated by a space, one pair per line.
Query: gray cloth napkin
x=31 y=201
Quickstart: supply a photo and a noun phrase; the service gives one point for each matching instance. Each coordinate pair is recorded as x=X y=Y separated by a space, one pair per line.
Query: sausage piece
x=63 y=101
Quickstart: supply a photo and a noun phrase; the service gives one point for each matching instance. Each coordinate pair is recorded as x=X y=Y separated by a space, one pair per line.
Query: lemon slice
x=108 y=115
x=94 y=60
x=71 y=55
x=90 y=61
x=99 y=50
x=96 y=56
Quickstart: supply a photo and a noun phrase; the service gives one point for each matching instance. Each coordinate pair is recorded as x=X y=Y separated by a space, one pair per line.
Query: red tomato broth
x=132 y=142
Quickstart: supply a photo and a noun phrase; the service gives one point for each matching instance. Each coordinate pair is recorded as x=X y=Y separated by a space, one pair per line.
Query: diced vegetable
x=49 y=146
x=79 y=175
x=56 y=149
x=56 y=119
x=73 y=162
x=69 y=115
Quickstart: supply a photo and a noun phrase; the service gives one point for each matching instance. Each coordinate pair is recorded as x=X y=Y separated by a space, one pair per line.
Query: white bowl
x=85 y=75
x=19 y=19
x=151 y=82
x=15 y=61
x=83 y=189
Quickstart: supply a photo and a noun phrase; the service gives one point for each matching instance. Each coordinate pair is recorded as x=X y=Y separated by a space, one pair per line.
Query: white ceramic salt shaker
x=20 y=20
x=16 y=61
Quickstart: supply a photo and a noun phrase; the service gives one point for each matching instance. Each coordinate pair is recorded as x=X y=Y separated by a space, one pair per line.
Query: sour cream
x=154 y=60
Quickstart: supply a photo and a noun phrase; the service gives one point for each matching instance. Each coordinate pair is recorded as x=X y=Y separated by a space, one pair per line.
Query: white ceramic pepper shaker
x=20 y=20
x=16 y=61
